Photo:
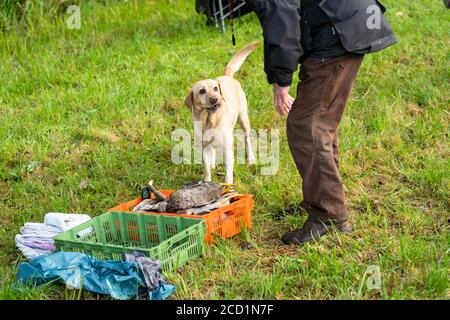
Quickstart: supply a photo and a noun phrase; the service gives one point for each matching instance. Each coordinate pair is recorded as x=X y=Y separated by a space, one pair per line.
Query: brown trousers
x=312 y=132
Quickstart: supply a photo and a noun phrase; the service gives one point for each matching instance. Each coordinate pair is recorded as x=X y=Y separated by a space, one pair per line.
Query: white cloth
x=30 y=252
x=65 y=221
x=36 y=239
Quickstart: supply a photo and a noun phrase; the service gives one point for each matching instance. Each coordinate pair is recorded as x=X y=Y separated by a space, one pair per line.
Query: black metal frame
x=221 y=12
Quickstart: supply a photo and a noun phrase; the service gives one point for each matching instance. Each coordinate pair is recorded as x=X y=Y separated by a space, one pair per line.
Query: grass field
x=99 y=104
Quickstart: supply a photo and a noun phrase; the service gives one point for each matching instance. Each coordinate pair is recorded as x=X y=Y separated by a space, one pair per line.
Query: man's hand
x=282 y=100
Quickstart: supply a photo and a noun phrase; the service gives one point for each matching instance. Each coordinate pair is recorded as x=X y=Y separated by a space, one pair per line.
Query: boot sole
x=343 y=228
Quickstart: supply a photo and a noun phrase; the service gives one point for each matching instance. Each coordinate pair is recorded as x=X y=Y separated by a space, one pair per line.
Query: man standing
x=329 y=39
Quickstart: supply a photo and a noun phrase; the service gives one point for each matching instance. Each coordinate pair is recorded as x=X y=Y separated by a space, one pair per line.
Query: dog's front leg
x=207 y=161
x=213 y=158
x=250 y=154
x=229 y=159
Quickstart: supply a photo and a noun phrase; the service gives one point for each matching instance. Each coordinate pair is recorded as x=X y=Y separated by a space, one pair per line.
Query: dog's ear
x=189 y=100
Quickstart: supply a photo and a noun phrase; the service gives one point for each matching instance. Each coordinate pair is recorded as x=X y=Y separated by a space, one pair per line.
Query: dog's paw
x=252 y=160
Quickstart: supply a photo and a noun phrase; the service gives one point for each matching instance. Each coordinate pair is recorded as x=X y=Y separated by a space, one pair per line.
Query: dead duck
x=194 y=194
x=205 y=195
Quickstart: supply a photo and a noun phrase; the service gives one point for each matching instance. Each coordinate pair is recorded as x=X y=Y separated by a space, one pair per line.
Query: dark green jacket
x=359 y=27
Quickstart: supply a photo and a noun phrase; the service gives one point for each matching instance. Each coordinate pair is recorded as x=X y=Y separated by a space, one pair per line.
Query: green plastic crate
x=171 y=240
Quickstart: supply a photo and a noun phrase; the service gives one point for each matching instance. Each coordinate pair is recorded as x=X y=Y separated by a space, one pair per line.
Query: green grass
x=99 y=104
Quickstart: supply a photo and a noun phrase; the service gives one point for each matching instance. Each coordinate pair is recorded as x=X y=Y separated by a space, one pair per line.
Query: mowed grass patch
x=99 y=104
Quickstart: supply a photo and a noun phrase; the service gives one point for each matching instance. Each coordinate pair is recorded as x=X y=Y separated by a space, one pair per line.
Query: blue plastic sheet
x=162 y=293
x=119 y=279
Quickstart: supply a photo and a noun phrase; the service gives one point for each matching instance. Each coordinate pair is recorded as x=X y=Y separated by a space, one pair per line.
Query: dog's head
x=205 y=95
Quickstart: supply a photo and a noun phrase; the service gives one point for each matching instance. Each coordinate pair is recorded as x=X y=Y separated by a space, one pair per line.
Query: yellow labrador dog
x=216 y=105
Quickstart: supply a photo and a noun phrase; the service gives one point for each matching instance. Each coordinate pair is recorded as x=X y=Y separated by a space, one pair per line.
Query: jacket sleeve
x=280 y=21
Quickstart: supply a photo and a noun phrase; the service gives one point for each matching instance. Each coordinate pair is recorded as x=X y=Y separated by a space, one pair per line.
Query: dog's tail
x=239 y=58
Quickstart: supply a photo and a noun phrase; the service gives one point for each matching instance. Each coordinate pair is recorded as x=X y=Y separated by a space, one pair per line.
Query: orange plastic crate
x=224 y=222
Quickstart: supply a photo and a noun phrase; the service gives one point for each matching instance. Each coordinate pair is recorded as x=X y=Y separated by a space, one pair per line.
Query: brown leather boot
x=313 y=229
